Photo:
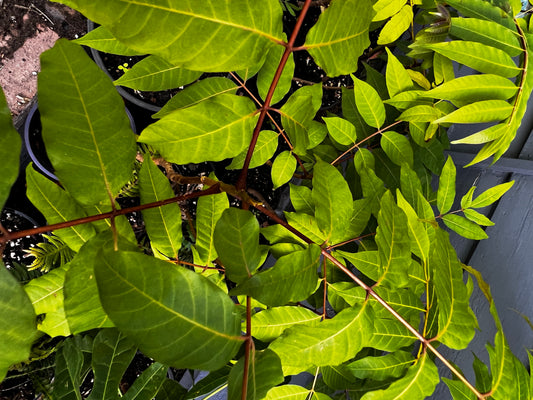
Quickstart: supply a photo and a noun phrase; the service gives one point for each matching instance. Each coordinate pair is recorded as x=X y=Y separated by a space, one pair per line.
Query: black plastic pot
x=35 y=145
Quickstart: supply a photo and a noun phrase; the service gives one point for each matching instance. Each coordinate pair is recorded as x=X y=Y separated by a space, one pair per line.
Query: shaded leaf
x=418 y=236
x=268 y=70
x=148 y=384
x=336 y=46
x=196 y=93
x=199 y=328
x=301 y=199
x=215 y=129
x=365 y=261
x=154 y=73
x=397 y=148
x=333 y=201
x=10 y=145
x=283 y=168
x=163 y=224
x=293 y=278
x=383 y=367
x=174 y=31
x=264 y=373
x=269 y=324
x=69 y=363
x=112 y=353
x=236 y=240
x=84 y=123
x=18 y=328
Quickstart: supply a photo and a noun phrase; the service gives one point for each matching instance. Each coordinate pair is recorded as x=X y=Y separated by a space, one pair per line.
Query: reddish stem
x=241 y=182
x=247 y=348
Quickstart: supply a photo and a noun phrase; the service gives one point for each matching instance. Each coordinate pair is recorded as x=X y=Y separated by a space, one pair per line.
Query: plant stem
x=241 y=182
x=247 y=348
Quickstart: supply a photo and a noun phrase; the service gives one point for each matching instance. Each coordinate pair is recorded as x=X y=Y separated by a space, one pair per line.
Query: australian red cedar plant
x=356 y=283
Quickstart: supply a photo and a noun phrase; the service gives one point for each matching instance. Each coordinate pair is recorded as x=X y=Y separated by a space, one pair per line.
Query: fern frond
x=50 y=254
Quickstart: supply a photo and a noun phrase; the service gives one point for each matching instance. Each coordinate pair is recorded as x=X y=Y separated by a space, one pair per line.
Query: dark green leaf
x=147 y=385
x=163 y=224
x=10 y=145
x=84 y=123
x=215 y=129
x=173 y=314
x=264 y=372
x=170 y=390
x=69 y=363
x=236 y=240
x=336 y=41
x=112 y=353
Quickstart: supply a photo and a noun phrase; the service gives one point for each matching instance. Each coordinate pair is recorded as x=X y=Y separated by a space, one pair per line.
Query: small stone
x=34 y=73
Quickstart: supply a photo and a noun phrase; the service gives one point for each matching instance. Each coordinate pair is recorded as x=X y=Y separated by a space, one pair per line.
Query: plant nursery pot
x=35 y=145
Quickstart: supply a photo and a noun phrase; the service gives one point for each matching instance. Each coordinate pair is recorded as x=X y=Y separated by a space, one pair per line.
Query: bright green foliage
x=265 y=373
x=154 y=73
x=352 y=283
x=10 y=145
x=112 y=353
x=17 y=333
x=180 y=325
x=86 y=120
x=163 y=224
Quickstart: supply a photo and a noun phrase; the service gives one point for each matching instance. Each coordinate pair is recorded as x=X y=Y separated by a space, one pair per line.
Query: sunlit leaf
x=267 y=143
x=397 y=148
x=481 y=111
x=188 y=322
x=491 y=195
x=83 y=124
x=381 y=368
x=464 y=227
x=446 y=192
x=420 y=113
x=417 y=234
x=215 y=129
x=387 y=8
x=341 y=130
x=294 y=392
x=268 y=70
x=397 y=25
x=398 y=79
x=442 y=69
x=154 y=73
x=173 y=32
x=301 y=199
x=369 y=103
x=477 y=217
x=283 y=168
x=163 y=224
x=328 y=38
x=102 y=40
x=269 y=324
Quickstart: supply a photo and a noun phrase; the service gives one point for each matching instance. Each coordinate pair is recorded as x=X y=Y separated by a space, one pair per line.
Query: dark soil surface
x=23 y=19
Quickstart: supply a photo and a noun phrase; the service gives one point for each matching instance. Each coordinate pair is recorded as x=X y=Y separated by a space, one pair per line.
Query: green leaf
x=478 y=56
x=298 y=113
x=84 y=123
x=293 y=278
x=336 y=41
x=397 y=148
x=148 y=384
x=170 y=390
x=369 y=103
x=333 y=201
x=301 y=199
x=208 y=212
x=196 y=93
x=464 y=227
x=267 y=144
x=486 y=32
x=457 y=322
x=386 y=8
x=102 y=40
x=236 y=240
x=365 y=261
x=82 y=303
x=269 y=324
x=46 y=295
x=68 y=371
x=174 y=315
x=359 y=220
x=466 y=200
x=10 y=145
x=477 y=217
x=458 y=390
x=268 y=70
x=472 y=88
x=18 y=327
x=112 y=353
x=420 y=113
x=398 y=79
x=397 y=25
x=491 y=195
x=418 y=236
x=163 y=224
x=307 y=225
x=331 y=342
x=215 y=129
x=154 y=73
x=341 y=130
x=483 y=10
x=442 y=69
x=283 y=168
x=246 y=28
x=57 y=205
x=294 y=392
x=264 y=373
x=393 y=243
x=380 y=368
x=481 y=111
x=446 y=191
x=419 y=383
